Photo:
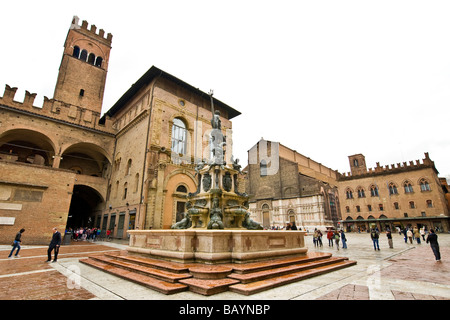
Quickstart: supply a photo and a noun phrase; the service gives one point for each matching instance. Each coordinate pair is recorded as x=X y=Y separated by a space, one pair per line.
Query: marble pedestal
x=216 y=246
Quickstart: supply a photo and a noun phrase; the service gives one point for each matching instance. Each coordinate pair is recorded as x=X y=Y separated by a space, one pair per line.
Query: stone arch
x=93 y=159
x=22 y=145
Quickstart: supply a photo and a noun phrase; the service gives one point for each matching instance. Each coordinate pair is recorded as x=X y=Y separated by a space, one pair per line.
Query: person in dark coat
x=54 y=245
x=16 y=243
x=432 y=239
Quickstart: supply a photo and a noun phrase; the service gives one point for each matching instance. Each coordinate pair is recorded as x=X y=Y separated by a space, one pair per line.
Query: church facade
x=66 y=165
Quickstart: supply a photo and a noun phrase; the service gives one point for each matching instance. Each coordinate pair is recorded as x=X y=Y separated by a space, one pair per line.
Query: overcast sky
x=328 y=79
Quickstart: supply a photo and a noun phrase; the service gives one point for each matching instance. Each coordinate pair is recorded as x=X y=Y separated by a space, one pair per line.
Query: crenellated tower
x=84 y=66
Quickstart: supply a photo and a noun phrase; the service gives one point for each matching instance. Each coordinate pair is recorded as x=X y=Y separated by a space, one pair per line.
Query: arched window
x=347 y=209
x=76 y=52
x=373 y=191
x=91 y=58
x=83 y=55
x=136 y=182
x=263 y=168
x=182 y=189
x=361 y=193
x=98 y=61
x=349 y=193
x=424 y=185
x=125 y=190
x=179 y=136
x=129 y=167
x=408 y=187
x=392 y=189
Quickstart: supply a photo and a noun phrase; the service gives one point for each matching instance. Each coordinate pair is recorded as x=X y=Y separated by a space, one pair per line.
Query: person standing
x=330 y=237
x=374 y=234
x=16 y=244
x=389 y=237
x=409 y=234
x=344 y=240
x=432 y=239
x=55 y=243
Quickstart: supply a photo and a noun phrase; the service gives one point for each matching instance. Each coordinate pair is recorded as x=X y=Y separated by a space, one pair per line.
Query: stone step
x=266 y=284
x=174 y=267
x=208 y=287
x=164 y=275
x=278 y=262
x=285 y=269
x=147 y=281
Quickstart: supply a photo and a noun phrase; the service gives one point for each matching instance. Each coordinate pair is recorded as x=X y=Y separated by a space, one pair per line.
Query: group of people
x=409 y=234
x=82 y=234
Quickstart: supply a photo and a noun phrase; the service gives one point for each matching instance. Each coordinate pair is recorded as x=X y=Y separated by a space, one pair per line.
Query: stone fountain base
x=216 y=246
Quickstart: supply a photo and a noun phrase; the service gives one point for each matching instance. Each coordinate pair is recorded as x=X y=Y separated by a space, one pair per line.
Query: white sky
x=328 y=79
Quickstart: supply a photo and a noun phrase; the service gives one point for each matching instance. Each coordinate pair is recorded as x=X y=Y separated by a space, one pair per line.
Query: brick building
x=401 y=195
x=285 y=186
x=65 y=165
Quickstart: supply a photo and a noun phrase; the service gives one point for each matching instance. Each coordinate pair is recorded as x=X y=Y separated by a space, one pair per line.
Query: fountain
x=217 y=227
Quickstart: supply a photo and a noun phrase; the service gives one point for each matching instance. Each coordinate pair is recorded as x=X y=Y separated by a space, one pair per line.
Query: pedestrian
x=417 y=235
x=330 y=237
x=409 y=234
x=389 y=237
x=374 y=234
x=336 y=238
x=294 y=227
x=432 y=239
x=55 y=243
x=405 y=237
x=16 y=244
x=319 y=238
x=422 y=233
x=316 y=238
x=344 y=240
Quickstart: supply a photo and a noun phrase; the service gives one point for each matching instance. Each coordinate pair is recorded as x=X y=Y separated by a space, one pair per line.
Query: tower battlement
x=54 y=109
x=390 y=169
x=91 y=31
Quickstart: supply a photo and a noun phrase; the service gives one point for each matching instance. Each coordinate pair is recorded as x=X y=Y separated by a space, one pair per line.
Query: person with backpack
x=375 y=235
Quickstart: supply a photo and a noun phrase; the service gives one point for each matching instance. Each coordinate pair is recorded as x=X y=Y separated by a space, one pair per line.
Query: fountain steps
x=246 y=278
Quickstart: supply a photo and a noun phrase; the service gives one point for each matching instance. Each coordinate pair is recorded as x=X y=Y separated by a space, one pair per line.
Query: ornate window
x=392 y=189
x=424 y=185
x=373 y=191
x=361 y=193
x=408 y=187
x=179 y=136
x=349 y=193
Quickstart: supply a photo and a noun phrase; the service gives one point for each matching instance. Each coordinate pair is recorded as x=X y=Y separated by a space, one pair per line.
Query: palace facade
x=66 y=165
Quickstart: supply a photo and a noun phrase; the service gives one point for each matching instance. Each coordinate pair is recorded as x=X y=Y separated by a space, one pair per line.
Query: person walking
x=319 y=238
x=417 y=235
x=432 y=239
x=336 y=238
x=55 y=243
x=16 y=244
x=344 y=240
x=422 y=233
x=375 y=235
x=389 y=237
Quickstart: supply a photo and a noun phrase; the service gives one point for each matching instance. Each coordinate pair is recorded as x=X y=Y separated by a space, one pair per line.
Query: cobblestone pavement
x=406 y=272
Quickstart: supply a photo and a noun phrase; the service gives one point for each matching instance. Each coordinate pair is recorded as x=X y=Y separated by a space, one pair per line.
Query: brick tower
x=84 y=66
x=357 y=164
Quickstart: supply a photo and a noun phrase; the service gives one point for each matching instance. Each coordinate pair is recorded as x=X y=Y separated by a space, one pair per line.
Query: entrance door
x=120 y=225
x=112 y=224
x=266 y=219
